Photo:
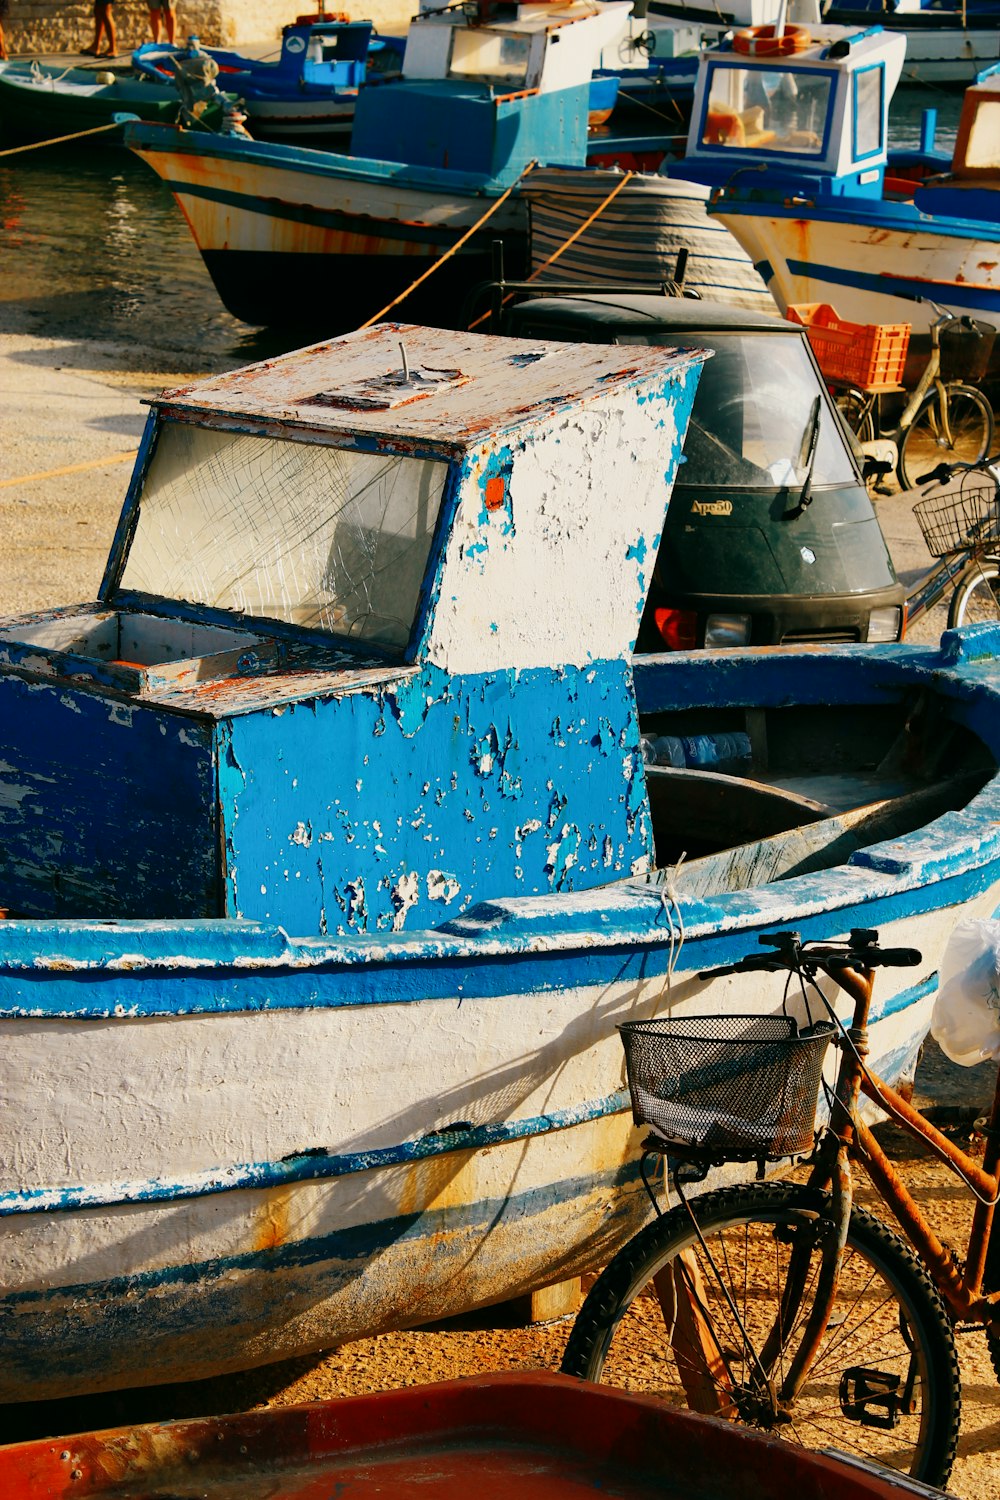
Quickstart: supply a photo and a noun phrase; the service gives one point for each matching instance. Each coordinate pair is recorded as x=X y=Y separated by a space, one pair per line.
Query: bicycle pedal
x=870 y=1397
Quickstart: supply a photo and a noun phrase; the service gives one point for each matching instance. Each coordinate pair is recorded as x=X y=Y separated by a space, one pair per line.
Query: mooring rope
x=92 y=463
x=452 y=249
x=581 y=229
x=58 y=139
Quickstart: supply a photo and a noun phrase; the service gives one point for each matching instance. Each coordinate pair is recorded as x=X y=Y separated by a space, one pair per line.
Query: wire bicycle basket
x=966 y=515
x=731 y=1087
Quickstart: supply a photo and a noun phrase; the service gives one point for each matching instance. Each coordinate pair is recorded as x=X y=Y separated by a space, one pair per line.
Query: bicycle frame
x=850 y=1140
x=935 y=584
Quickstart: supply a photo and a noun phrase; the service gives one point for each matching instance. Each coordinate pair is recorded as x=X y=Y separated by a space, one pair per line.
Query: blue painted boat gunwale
x=312 y=162
x=388 y=969
x=867 y=213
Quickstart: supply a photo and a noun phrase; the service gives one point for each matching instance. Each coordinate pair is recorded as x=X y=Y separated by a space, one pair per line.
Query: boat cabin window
x=490 y=56
x=320 y=537
x=868 y=111
x=982 y=149
x=752 y=416
x=753 y=109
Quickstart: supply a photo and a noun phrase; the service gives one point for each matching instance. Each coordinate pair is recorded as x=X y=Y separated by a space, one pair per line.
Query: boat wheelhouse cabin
x=490 y=89
x=816 y=107
x=332 y=680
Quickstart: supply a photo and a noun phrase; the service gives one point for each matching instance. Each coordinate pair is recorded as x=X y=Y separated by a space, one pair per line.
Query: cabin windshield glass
x=490 y=56
x=320 y=537
x=751 y=419
x=755 y=109
x=868 y=111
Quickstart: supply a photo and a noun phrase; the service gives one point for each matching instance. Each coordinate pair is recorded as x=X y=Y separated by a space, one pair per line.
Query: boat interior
x=821 y=783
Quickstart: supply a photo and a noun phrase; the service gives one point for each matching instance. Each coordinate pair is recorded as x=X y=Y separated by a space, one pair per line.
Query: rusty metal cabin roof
x=462 y=386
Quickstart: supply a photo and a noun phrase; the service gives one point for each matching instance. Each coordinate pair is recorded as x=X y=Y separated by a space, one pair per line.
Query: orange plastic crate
x=871 y=355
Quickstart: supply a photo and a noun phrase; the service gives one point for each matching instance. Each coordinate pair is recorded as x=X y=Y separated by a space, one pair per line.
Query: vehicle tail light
x=678 y=627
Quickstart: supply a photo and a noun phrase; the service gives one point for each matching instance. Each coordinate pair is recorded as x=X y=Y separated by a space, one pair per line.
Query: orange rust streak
x=272 y=1225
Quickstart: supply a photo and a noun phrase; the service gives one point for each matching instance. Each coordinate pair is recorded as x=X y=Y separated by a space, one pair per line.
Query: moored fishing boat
x=39 y=101
x=810 y=197
x=294 y=236
x=332 y=860
x=308 y=94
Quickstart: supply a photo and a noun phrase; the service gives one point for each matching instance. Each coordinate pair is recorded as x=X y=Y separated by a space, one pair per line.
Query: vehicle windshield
x=752 y=414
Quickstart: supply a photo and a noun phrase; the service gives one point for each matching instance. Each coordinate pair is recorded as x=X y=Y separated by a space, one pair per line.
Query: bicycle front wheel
x=715 y=1325
x=977 y=594
x=928 y=442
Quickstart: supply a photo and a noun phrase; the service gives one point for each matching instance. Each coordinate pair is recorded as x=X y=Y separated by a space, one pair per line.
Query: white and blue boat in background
x=331 y=855
x=947 y=41
x=307 y=94
x=295 y=236
x=797 y=148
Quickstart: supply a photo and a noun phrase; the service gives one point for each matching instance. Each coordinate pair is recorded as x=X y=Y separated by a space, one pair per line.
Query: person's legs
x=92 y=50
x=109 y=30
x=170 y=19
x=154 y=22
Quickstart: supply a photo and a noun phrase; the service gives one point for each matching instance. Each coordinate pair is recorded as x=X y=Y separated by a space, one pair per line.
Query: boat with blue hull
x=947 y=41
x=336 y=843
x=302 y=237
x=796 y=146
x=309 y=92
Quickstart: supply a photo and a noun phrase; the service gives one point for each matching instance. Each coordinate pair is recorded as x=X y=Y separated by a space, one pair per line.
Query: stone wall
x=54 y=26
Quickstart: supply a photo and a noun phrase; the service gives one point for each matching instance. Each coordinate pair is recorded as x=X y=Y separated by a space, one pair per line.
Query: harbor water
x=92 y=246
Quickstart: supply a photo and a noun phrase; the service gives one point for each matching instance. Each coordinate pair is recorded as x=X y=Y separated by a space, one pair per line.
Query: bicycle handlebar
x=944 y=472
x=861 y=951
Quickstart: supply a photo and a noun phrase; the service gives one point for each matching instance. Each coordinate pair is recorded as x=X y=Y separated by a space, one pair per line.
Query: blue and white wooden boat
x=291 y=235
x=947 y=41
x=331 y=860
x=797 y=148
x=306 y=95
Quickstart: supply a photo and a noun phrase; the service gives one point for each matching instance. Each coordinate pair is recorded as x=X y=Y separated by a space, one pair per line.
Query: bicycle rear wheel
x=977 y=594
x=665 y=1318
x=856 y=409
x=925 y=445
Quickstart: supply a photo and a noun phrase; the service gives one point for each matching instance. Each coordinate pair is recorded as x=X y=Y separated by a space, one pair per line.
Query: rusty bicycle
x=780 y=1304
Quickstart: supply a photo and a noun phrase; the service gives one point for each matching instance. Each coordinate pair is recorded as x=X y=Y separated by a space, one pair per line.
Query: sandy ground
x=64 y=405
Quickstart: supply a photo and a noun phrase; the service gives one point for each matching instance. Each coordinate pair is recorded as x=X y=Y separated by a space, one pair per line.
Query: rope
x=58 y=139
x=452 y=250
x=92 y=463
x=581 y=229
x=643 y=104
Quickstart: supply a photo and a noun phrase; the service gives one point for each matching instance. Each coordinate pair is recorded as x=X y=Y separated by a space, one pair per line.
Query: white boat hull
x=870 y=271
x=317 y=235
x=224 y=1190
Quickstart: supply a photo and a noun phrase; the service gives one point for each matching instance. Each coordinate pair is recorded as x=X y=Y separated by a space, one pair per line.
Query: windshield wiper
x=807 y=455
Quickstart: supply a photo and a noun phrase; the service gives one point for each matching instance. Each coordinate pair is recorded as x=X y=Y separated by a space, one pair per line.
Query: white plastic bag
x=966 y=1019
